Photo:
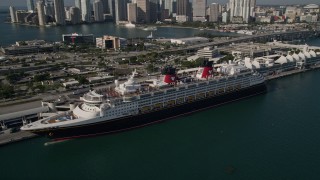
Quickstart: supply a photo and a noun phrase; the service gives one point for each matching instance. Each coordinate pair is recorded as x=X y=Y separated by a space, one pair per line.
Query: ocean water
x=274 y=136
x=271 y=136
x=16 y=32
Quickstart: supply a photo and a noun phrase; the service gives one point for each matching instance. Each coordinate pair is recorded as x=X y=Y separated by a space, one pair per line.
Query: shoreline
x=6 y=139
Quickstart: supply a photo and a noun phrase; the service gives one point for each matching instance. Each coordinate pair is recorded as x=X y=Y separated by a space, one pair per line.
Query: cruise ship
x=132 y=104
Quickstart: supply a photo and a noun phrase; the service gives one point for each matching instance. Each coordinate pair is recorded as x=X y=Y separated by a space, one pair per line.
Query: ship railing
x=119 y=99
x=55 y=117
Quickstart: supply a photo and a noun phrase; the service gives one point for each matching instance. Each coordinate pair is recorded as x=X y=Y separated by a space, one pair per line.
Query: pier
x=9 y=138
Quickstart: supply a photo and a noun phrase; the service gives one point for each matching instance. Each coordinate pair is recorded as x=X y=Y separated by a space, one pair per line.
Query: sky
x=269 y=2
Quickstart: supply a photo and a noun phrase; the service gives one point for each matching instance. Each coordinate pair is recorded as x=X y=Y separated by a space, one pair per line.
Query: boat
x=150 y=28
x=150 y=36
x=134 y=104
x=130 y=25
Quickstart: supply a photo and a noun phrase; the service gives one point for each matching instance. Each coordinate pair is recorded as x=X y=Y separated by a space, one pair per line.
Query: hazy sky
x=278 y=2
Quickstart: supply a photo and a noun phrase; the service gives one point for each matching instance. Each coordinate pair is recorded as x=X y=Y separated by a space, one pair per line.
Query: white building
x=132 y=12
x=182 y=18
x=242 y=8
x=70 y=83
x=225 y=17
x=199 y=10
x=41 y=16
x=86 y=10
x=168 y=5
x=312 y=8
x=207 y=52
x=309 y=18
x=190 y=41
x=99 y=79
x=291 y=12
x=13 y=14
x=30 y=5
x=263 y=19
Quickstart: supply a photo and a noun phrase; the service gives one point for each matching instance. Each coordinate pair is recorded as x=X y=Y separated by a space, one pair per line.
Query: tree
x=226 y=58
x=6 y=91
x=150 y=68
x=41 y=77
x=81 y=79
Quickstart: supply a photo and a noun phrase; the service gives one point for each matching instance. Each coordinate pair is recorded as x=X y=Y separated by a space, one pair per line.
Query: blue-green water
x=271 y=136
x=16 y=32
x=274 y=136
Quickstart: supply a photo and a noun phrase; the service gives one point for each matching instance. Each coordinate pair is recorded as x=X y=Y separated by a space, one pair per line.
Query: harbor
x=239 y=96
x=274 y=60
x=8 y=138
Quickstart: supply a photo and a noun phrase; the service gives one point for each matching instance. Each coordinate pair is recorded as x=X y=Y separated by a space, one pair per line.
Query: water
x=15 y=32
x=271 y=136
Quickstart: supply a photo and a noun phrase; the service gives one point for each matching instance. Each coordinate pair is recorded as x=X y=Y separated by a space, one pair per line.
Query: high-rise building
x=106 y=6
x=214 y=12
x=143 y=9
x=59 y=12
x=13 y=14
x=49 y=9
x=253 y=4
x=30 y=5
x=242 y=8
x=86 y=10
x=120 y=10
x=132 y=12
x=225 y=17
x=199 y=10
x=153 y=10
x=77 y=3
x=183 y=10
x=98 y=11
x=67 y=13
x=41 y=16
x=182 y=7
x=168 y=5
x=75 y=15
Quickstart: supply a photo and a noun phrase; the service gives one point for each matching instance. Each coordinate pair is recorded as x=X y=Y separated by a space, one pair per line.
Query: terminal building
x=208 y=52
x=17 y=119
x=75 y=38
x=110 y=42
x=21 y=50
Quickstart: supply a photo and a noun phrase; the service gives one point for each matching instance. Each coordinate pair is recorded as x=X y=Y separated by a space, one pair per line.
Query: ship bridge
x=92 y=98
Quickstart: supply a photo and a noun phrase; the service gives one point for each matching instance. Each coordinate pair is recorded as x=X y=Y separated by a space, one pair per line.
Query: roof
x=311 y=6
x=72 y=82
x=99 y=78
x=23 y=113
x=191 y=39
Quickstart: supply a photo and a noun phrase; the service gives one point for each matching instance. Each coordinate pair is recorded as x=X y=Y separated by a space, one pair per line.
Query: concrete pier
x=288 y=73
x=15 y=137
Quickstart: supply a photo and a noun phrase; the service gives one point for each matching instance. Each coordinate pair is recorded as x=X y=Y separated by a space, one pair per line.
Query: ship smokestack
x=207 y=69
x=169 y=75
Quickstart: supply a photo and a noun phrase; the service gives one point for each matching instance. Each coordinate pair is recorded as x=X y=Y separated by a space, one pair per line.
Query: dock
x=9 y=138
x=292 y=72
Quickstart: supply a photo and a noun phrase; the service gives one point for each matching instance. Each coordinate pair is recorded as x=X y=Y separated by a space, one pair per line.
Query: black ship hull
x=130 y=122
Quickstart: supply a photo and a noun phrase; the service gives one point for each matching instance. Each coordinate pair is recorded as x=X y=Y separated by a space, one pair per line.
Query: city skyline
x=18 y=3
